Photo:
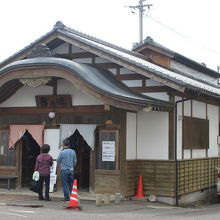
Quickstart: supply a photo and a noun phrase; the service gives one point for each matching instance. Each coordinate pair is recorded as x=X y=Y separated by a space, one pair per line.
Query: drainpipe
x=175 y=137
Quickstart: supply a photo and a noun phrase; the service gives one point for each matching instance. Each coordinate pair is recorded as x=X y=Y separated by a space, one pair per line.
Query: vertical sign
x=108 y=150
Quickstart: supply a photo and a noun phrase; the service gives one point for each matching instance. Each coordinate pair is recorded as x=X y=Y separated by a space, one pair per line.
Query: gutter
x=175 y=145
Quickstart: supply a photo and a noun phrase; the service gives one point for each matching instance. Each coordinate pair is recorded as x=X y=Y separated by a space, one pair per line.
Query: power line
x=183 y=36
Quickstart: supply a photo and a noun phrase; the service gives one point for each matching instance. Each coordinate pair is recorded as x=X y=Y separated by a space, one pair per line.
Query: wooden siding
x=157 y=57
x=159 y=177
x=107 y=181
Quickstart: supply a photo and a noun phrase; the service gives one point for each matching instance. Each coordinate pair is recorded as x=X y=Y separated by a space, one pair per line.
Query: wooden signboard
x=51 y=101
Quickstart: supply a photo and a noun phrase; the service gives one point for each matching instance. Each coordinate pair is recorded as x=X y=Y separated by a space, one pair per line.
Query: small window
x=107 y=149
x=195 y=133
x=7 y=156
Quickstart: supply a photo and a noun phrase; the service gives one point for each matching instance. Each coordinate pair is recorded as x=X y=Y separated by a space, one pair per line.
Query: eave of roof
x=126 y=58
x=96 y=78
x=175 y=56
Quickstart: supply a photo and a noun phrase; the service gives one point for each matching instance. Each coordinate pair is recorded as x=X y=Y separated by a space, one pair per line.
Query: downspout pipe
x=175 y=144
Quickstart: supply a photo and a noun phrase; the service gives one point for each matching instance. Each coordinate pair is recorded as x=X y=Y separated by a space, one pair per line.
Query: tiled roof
x=177 y=56
x=99 y=79
x=136 y=60
x=128 y=56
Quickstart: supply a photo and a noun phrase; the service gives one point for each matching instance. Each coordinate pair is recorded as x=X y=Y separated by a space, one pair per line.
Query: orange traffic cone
x=140 y=191
x=74 y=200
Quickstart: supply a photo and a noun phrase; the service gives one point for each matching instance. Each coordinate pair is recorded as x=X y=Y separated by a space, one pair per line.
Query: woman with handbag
x=43 y=163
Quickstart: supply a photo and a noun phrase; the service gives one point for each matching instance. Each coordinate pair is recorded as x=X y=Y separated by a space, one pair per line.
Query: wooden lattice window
x=195 y=133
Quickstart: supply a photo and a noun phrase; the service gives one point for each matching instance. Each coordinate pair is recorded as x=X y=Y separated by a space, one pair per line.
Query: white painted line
x=22 y=211
x=161 y=207
x=6 y=213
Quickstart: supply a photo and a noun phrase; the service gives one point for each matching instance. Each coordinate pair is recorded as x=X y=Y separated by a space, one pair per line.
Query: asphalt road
x=20 y=208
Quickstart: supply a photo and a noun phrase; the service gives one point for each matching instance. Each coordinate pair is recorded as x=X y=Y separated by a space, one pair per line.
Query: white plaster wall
x=187 y=108
x=78 y=97
x=132 y=83
x=198 y=111
x=52 y=137
x=152 y=137
x=179 y=129
x=158 y=95
x=76 y=49
x=213 y=116
x=25 y=96
x=101 y=60
x=83 y=60
x=126 y=71
x=150 y=82
x=131 y=136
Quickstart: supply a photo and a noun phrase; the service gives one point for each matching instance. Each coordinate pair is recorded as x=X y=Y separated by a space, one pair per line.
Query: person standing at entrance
x=67 y=160
x=43 y=163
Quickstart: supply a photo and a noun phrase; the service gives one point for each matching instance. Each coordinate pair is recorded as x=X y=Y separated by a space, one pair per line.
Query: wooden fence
x=159 y=176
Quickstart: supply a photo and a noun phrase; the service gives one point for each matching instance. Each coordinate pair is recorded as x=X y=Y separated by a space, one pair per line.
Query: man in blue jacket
x=67 y=160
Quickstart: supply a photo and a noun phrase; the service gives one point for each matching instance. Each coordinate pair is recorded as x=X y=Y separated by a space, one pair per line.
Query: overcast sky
x=189 y=27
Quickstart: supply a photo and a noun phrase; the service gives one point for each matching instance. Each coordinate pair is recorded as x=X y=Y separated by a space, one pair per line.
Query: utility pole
x=141 y=9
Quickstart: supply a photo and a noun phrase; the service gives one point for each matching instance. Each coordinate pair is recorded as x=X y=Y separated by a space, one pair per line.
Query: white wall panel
x=83 y=60
x=199 y=109
x=198 y=153
x=158 y=95
x=150 y=82
x=187 y=108
x=133 y=83
x=101 y=60
x=52 y=137
x=179 y=129
x=131 y=136
x=78 y=97
x=213 y=117
x=152 y=141
x=126 y=71
x=25 y=96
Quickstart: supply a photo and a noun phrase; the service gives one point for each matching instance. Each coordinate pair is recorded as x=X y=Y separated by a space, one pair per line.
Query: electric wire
x=183 y=36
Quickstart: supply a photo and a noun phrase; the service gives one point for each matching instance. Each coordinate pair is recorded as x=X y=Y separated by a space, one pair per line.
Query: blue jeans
x=67 y=177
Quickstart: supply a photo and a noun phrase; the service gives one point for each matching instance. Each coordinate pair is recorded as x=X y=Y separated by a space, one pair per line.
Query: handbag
x=35 y=186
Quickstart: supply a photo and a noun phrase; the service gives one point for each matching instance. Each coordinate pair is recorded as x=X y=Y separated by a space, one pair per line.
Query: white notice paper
x=108 y=150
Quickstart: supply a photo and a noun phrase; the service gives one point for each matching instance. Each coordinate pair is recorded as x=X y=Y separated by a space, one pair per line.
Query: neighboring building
x=118 y=109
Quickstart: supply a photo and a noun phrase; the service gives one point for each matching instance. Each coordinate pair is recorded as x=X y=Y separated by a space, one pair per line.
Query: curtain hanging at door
x=87 y=132
x=17 y=131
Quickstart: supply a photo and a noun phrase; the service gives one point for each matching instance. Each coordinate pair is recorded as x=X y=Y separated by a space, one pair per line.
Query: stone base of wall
x=206 y=196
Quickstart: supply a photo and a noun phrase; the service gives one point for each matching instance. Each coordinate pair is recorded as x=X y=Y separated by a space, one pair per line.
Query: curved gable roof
x=95 y=80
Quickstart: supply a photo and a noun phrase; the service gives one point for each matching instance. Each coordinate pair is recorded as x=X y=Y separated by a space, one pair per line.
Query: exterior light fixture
x=51 y=114
x=148 y=108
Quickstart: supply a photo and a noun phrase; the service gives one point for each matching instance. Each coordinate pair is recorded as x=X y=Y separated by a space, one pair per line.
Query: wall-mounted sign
x=53 y=101
x=108 y=150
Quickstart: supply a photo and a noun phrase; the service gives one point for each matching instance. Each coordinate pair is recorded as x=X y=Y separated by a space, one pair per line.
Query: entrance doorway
x=30 y=151
x=82 y=169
